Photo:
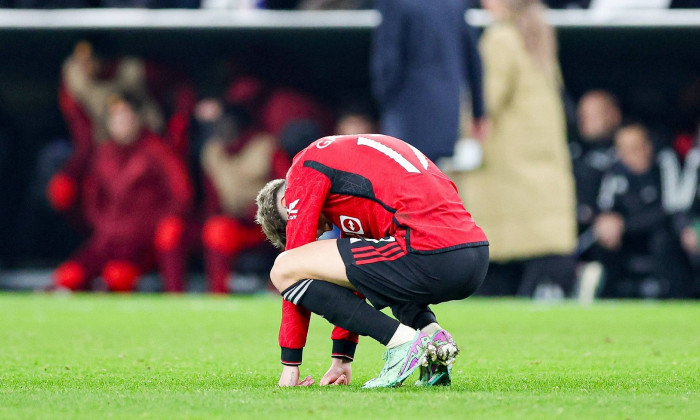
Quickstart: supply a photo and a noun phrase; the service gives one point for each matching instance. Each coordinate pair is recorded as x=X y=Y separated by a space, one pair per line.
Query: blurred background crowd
x=152 y=184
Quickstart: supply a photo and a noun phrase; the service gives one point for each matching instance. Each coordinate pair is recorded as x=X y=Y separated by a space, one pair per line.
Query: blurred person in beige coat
x=523 y=195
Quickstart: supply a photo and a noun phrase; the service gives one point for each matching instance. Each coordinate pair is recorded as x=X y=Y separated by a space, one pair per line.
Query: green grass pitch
x=172 y=357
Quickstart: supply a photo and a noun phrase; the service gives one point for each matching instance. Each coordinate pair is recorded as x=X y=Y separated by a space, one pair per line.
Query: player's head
x=271 y=214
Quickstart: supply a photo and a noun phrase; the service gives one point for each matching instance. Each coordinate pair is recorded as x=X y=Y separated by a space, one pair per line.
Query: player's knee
x=70 y=275
x=169 y=234
x=121 y=276
x=220 y=234
x=281 y=274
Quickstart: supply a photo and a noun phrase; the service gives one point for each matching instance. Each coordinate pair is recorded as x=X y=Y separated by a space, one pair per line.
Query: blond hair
x=269 y=216
x=539 y=37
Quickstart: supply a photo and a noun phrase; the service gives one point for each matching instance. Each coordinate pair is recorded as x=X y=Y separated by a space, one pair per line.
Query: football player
x=407 y=242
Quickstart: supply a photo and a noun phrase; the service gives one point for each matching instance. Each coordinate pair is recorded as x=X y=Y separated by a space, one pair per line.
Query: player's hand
x=339 y=373
x=290 y=377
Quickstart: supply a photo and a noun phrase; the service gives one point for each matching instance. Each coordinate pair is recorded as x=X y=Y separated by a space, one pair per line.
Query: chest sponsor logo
x=351 y=225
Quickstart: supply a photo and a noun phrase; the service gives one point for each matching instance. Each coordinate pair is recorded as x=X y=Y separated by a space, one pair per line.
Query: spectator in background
x=87 y=81
x=136 y=198
x=592 y=151
x=639 y=252
x=90 y=79
x=246 y=139
x=686 y=211
x=355 y=118
x=236 y=160
x=422 y=53
x=523 y=194
x=293 y=117
x=687 y=112
x=274 y=108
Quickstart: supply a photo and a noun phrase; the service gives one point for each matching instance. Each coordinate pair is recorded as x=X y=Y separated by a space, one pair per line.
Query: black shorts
x=386 y=275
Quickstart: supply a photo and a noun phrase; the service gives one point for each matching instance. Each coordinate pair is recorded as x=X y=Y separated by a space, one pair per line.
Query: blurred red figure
x=136 y=195
x=87 y=80
x=274 y=109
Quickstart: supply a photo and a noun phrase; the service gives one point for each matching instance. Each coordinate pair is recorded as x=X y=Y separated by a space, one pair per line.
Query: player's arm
x=304 y=198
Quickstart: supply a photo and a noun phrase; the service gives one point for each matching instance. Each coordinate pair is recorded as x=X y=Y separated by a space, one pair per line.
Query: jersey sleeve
x=304 y=197
x=306 y=193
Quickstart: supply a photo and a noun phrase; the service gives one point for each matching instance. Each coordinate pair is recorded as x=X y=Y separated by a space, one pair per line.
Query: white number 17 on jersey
x=394 y=155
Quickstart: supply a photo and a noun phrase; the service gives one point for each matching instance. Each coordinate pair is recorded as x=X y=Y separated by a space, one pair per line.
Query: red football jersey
x=371 y=186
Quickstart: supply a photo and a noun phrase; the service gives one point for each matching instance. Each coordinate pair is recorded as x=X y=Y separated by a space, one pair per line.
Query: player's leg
x=296 y=275
x=316 y=260
x=421 y=317
x=314 y=276
x=415 y=315
x=409 y=282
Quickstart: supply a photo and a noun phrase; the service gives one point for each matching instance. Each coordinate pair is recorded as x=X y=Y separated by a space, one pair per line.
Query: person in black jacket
x=686 y=208
x=592 y=152
x=640 y=254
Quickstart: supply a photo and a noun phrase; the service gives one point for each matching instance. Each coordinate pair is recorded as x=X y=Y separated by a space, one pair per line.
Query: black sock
x=414 y=315
x=342 y=308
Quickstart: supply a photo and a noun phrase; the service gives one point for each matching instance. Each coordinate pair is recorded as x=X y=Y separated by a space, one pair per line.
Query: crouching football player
x=407 y=242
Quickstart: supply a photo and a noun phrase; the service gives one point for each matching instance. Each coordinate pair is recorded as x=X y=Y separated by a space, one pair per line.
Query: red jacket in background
x=130 y=189
x=286 y=105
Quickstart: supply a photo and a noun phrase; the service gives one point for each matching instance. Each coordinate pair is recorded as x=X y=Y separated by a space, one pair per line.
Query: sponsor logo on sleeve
x=293 y=210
